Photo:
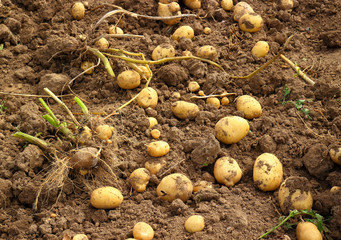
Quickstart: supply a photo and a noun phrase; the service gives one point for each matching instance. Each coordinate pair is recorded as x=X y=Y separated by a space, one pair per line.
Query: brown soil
x=42 y=48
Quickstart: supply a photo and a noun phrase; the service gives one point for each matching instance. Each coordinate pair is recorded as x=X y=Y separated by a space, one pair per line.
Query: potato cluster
x=248 y=20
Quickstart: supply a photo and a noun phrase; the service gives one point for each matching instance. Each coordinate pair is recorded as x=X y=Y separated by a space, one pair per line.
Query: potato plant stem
x=104 y=59
x=31 y=139
x=82 y=106
x=51 y=114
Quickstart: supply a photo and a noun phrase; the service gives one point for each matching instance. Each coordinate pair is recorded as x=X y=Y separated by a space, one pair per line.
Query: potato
x=84 y=135
x=294 y=193
x=335 y=189
x=250 y=22
x=84 y=158
x=193 y=86
x=249 y=106
x=102 y=43
x=207 y=51
x=86 y=65
x=308 y=231
x=171 y=9
x=184 y=110
x=187 y=53
x=201 y=93
x=231 y=129
x=198 y=186
x=143 y=231
x=128 y=79
x=115 y=30
x=240 y=9
x=158 y=148
x=267 y=172
x=175 y=186
x=78 y=11
x=147 y=98
x=152 y=122
x=176 y=95
x=260 y=49
x=227 y=4
x=145 y=73
x=335 y=154
x=154 y=166
x=155 y=133
x=106 y=198
x=139 y=179
x=104 y=132
x=195 y=223
x=80 y=237
x=193 y=4
x=224 y=101
x=227 y=171
x=183 y=31
x=287 y=4
x=164 y=50
x=207 y=30
x=214 y=101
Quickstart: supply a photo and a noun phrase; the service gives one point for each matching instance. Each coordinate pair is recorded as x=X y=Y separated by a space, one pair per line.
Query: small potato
x=80 y=237
x=286 y=4
x=308 y=231
x=198 y=186
x=207 y=30
x=155 y=133
x=224 y=101
x=183 y=31
x=145 y=73
x=128 y=79
x=102 y=43
x=139 y=179
x=294 y=193
x=175 y=186
x=227 y=4
x=335 y=189
x=193 y=86
x=143 y=231
x=187 y=53
x=171 y=9
x=240 y=9
x=250 y=22
x=104 y=132
x=158 y=148
x=227 y=171
x=84 y=158
x=195 y=223
x=163 y=51
x=214 y=101
x=207 y=51
x=154 y=166
x=78 y=11
x=85 y=135
x=267 y=172
x=176 y=95
x=152 y=122
x=231 y=129
x=115 y=30
x=106 y=198
x=86 y=65
x=260 y=49
x=335 y=154
x=249 y=106
x=193 y=4
x=147 y=98
x=201 y=93
x=184 y=110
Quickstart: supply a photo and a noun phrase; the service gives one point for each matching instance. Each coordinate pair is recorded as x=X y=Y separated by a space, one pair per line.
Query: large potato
x=260 y=49
x=231 y=129
x=208 y=52
x=307 y=231
x=175 y=186
x=139 y=179
x=147 y=98
x=158 y=148
x=143 y=231
x=128 y=79
x=335 y=154
x=227 y=171
x=171 y=9
x=250 y=22
x=240 y=9
x=164 y=50
x=267 y=172
x=78 y=11
x=226 y=4
x=294 y=193
x=106 y=198
x=249 y=106
x=184 y=110
x=183 y=31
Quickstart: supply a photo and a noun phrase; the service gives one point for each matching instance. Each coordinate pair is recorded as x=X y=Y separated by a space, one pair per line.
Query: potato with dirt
x=195 y=223
x=106 y=198
x=335 y=154
x=147 y=98
x=128 y=79
x=249 y=106
x=193 y=4
x=227 y=171
x=208 y=52
x=143 y=231
x=84 y=158
x=231 y=129
x=260 y=49
x=167 y=10
x=104 y=132
x=164 y=50
x=175 y=186
x=250 y=22
x=78 y=11
x=240 y=9
x=184 y=110
x=139 y=179
x=158 y=148
x=183 y=31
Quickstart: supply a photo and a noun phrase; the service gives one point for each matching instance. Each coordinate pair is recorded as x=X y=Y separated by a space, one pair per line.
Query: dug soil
x=43 y=46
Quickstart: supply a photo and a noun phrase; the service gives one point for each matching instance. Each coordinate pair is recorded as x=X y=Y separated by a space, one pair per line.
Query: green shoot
x=1 y=46
x=286 y=94
x=84 y=109
x=3 y=108
x=31 y=139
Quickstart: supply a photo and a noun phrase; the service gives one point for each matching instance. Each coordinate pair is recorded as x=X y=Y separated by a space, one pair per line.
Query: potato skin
x=184 y=110
x=128 y=79
x=208 y=52
x=227 y=171
x=249 y=106
x=240 y=9
x=106 y=198
x=231 y=129
x=227 y=4
x=84 y=158
x=139 y=179
x=335 y=154
x=143 y=231
x=78 y=10
x=158 y=148
x=267 y=172
x=250 y=22
x=175 y=186
x=171 y=9
x=195 y=223
x=163 y=51
x=307 y=231
x=183 y=31
x=147 y=98
x=260 y=49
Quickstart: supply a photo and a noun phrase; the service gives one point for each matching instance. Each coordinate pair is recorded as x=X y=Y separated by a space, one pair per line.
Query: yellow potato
x=85 y=135
x=260 y=49
x=287 y=4
x=335 y=154
x=144 y=72
x=84 y=158
x=231 y=129
x=155 y=133
x=152 y=122
x=184 y=110
x=171 y=9
x=78 y=11
x=139 y=179
x=207 y=30
x=195 y=223
x=163 y=51
x=115 y=30
x=267 y=172
x=154 y=166
x=294 y=193
x=227 y=4
x=250 y=22
x=207 y=51
x=227 y=171
x=224 y=101
x=335 y=189
x=158 y=148
x=193 y=86
x=308 y=231
x=183 y=31
x=214 y=101
x=128 y=79
x=80 y=237
x=86 y=65
x=147 y=98
x=104 y=131
x=249 y=106
x=175 y=186
x=193 y=4
x=198 y=186
x=102 y=43
x=106 y=198
x=240 y=9
x=143 y=231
